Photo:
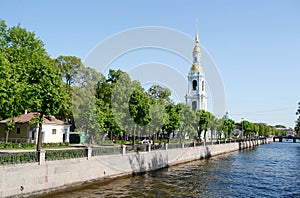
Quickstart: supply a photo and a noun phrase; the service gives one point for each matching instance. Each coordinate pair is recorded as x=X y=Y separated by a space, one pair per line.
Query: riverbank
x=32 y=178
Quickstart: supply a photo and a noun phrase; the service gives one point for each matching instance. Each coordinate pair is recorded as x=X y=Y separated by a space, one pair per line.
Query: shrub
x=25 y=145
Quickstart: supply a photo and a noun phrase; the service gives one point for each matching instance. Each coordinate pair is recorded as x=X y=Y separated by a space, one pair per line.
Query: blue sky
x=255 y=44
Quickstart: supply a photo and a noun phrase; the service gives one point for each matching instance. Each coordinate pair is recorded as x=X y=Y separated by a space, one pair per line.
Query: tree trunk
x=6 y=138
x=199 y=135
x=205 y=137
x=153 y=138
x=39 y=143
x=211 y=136
x=133 y=141
x=10 y=130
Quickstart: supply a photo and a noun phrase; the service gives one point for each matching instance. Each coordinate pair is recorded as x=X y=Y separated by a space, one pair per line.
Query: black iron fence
x=105 y=150
x=22 y=157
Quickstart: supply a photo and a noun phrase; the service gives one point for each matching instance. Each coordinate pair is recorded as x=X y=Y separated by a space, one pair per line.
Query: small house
x=53 y=130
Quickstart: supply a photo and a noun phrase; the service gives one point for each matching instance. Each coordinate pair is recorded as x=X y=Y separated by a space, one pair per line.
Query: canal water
x=270 y=170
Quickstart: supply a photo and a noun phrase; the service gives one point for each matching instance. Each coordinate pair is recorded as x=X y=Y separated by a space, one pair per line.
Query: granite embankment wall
x=32 y=178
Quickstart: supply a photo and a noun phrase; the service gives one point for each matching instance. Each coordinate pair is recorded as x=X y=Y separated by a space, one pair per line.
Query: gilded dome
x=196 y=48
x=196 y=68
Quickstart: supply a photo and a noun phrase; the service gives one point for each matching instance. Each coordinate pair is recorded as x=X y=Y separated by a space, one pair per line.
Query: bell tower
x=196 y=96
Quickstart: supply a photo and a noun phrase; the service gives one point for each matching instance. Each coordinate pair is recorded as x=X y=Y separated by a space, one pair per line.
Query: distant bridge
x=280 y=138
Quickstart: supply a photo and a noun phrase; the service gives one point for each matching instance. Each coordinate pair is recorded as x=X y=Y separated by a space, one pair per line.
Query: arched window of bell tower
x=194 y=105
x=195 y=84
x=202 y=85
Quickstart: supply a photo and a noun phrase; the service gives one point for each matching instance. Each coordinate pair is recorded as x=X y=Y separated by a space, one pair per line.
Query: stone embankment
x=35 y=178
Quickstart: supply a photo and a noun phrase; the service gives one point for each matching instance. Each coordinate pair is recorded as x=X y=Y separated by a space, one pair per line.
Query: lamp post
x=242 y=129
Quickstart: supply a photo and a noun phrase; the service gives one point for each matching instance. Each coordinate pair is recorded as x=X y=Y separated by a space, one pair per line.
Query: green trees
x=160 y=93
x=297 y=127
x=228 y=127
x=12 y=80
x=9 y=93
x=139 y=108
x=45 y=92
x=264 y=129
x=203 y=122
x=187 y=121
x=33 y=82
x=216 y=126
x=172 y=122
x=85 y=110
x=250 y=129
x=70 y=68
x=113 y=106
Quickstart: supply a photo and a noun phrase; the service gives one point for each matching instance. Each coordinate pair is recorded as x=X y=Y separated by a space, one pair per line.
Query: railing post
x=88 y=151
x=182 y=145
x=149 y=147
x=166 y=146
x=194 y=144
x=123 y=149
x=42 y=157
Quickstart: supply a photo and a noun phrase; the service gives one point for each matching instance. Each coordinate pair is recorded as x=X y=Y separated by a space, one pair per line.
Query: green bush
x=18 y=158
x=64 y=154
x=11 y=145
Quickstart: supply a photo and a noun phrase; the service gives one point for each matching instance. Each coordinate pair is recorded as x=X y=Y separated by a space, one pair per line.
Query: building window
x=202 y=85
x=195 y=59
x=194 y=105
x=194 y=84
x=18 y=130
x=53 y=131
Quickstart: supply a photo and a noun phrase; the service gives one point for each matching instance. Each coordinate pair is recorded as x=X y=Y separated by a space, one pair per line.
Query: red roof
x=25 y=118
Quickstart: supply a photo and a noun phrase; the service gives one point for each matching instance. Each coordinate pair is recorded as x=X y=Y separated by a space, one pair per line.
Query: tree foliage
x=187 y=121
x=297 y=127
x=228 y=127
x=264 y=129
x=172 y=122
x=70 y=67
x=203 y=122
x=216 y=126
x=31 y=75
x=160 y=93
x=139 y=107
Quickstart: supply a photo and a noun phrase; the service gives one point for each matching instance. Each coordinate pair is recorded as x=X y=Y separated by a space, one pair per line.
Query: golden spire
x=196 y=48
x=196 y=38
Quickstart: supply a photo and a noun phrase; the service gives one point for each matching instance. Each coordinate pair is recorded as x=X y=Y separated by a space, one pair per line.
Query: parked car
x=146 y=141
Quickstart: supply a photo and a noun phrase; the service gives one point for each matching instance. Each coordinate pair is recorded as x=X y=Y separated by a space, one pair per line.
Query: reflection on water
x=270 y=170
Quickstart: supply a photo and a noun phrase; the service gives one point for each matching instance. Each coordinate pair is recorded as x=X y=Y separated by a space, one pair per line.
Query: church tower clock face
x=196 y=96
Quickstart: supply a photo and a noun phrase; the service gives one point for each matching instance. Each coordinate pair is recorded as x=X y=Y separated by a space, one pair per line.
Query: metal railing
x=188 y=144
x=22 y=157
x=174 y=145
x=129 y=149
x=158 y=147
x=199 y=143
x=105 y=150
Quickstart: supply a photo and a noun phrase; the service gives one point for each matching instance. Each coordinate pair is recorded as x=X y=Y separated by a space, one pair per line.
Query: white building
x=196 y=96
